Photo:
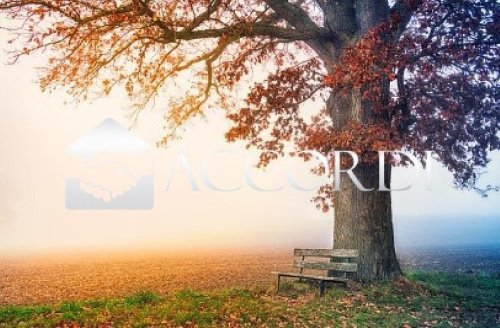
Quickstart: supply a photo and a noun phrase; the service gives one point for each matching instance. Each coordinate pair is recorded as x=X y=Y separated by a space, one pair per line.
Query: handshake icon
x=112 y=170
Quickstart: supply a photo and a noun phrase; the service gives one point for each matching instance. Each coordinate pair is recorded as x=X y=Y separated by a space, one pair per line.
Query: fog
x=37 y=128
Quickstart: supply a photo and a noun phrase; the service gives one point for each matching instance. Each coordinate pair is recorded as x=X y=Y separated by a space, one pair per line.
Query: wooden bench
x=340 y=262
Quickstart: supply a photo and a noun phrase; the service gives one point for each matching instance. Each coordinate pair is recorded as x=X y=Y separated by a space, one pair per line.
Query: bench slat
x=298 y=275
x=346 y=267
x=342 y=253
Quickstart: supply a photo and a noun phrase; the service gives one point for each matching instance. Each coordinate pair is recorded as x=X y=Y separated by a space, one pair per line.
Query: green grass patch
x=420 y=299
x=22 y=313
x=142 y=299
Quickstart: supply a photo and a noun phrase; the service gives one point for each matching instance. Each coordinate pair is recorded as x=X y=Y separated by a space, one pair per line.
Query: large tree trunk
x=363 y=220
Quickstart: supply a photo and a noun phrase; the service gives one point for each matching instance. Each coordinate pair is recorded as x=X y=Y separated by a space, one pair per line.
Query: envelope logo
x=111 y=169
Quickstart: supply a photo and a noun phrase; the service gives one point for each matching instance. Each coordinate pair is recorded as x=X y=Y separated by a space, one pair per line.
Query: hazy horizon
x=37 y=128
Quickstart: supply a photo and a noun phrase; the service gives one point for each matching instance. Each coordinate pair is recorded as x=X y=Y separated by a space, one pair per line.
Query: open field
x=40 y=280
x=227 y=289
x=422 y=299
x=48 y=280
x=469 y=259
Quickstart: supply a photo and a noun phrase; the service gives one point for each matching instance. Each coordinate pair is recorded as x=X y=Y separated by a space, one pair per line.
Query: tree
x=418 y=75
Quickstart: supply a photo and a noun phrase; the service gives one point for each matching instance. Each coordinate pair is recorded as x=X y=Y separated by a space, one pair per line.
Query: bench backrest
x=343 y=260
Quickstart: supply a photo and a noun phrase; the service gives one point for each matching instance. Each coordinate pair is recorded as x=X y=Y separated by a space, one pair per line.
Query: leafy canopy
x=439 y=56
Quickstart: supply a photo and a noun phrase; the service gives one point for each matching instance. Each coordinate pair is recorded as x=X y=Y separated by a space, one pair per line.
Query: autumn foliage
x=427 y=74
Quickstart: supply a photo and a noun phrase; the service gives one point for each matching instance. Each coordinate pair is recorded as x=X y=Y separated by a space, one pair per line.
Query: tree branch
x=300 y=20
x=403 y=10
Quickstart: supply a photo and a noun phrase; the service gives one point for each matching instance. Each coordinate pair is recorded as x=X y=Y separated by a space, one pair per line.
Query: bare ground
x=53 y=279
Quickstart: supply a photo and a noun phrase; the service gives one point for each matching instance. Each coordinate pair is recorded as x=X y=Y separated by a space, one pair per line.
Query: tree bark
x=363 y=221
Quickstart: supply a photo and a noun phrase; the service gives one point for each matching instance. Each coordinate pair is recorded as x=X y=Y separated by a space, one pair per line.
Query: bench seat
x=312 y=277
x=338 y=261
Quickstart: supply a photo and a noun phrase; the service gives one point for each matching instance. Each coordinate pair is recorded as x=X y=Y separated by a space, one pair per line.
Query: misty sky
x=37 y=128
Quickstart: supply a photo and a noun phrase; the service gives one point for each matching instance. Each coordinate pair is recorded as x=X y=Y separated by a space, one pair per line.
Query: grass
x=421 y=299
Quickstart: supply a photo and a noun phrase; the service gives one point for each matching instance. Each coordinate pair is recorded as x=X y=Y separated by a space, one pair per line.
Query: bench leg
x=279 y=280
x=321 y=288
